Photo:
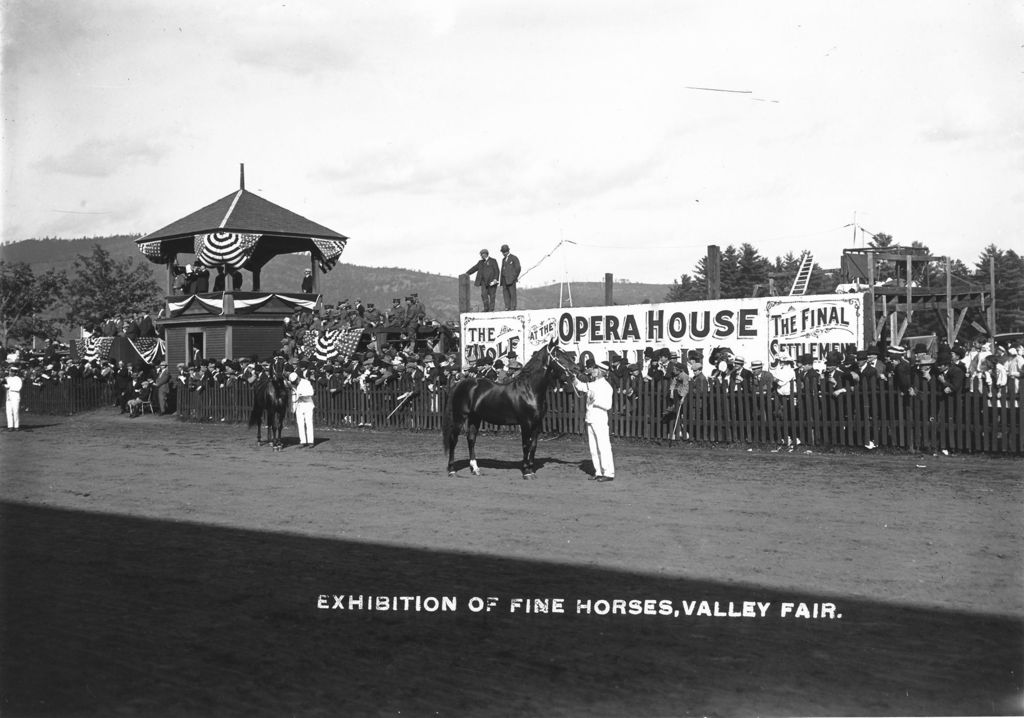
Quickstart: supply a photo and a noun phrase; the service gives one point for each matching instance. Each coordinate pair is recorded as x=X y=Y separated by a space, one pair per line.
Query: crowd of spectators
x=980 y=365
x=133 y=326
x=405 y=326
x=195 y=279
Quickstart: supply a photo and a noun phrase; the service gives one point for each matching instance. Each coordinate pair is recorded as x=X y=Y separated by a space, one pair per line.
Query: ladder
x=803 y=275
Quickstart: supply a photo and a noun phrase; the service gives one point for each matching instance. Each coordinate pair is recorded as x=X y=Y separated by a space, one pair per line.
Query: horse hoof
x=451 y=474
x=476 y=473
x=529 y=476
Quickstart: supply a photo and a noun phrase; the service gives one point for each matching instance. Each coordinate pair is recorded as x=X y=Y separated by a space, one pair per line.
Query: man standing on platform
x=487 y=272
x=307 y=282
x=415 y=315
x=509 y=276
x=599 y=403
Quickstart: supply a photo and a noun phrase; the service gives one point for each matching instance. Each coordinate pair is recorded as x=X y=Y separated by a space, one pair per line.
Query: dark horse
x=271 y=399
x=523 y=401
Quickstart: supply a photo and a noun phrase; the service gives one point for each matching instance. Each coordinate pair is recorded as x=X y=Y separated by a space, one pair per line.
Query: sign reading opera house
x=753 y=328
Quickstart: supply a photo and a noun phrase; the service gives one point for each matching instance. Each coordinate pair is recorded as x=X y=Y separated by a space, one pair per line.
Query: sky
x=592 y=137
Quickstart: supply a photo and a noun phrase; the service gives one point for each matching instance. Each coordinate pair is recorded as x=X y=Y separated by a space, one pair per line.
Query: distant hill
x=438 y=292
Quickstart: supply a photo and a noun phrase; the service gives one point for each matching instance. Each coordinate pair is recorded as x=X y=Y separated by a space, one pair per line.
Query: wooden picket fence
x=989 y=420
x=979 y=421
x=66 y=397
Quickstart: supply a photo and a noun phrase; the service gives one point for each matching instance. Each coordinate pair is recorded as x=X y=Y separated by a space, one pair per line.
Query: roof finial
x=241 y=176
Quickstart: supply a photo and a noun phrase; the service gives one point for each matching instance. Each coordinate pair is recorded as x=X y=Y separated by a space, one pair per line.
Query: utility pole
x=713 y=269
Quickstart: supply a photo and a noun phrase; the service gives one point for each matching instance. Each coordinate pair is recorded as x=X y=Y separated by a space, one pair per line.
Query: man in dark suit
x=902 y=372
x=220 y=279
x=307 y=282
x=509 y=276
x=415 y=315
x=372 y=315
x=202 y=285
x=487 y=273
x=131 y=328
x=146 y=326
x=163 y=388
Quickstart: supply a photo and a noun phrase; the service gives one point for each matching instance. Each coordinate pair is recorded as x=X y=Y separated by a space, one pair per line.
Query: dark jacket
x=509 y=270
x=486 y=271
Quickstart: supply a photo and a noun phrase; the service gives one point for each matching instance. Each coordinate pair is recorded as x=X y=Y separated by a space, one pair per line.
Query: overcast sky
x=428 y=130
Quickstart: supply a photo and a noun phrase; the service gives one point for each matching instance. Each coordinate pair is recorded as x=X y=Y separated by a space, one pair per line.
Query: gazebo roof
x=249 y=228
x=242 y=211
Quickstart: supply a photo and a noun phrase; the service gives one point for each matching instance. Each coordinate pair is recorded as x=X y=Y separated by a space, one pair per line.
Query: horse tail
x=446 y=421
x=256 y=415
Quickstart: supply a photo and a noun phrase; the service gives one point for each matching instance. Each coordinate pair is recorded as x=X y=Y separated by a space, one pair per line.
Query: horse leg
x=472 y=429
x=259 y=432
x=534 y=437
x=526 y=433
x=451 y=440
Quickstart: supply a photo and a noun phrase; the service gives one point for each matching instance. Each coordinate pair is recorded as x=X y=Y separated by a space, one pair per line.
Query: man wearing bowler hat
x=487 y=272
x=509 y=276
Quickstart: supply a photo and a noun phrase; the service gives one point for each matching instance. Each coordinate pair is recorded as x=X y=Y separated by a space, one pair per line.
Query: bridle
x=567 y=371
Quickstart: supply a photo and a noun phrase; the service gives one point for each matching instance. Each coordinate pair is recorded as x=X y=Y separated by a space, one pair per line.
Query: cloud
x=301 y=57
x=103 y=158
x=501 y=178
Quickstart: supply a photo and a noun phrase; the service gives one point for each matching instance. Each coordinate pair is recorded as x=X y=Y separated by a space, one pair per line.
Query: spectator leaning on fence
x=1014 y=362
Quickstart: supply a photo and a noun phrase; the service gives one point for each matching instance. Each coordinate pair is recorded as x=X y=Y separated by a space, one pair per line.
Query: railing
x=990 y=421
x=66 y=397
x=985 y=421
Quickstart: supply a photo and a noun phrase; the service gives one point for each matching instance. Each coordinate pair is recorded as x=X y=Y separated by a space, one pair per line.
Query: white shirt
x=784 y=378
x=13 y=384
x=599 y=398
x=303 y=392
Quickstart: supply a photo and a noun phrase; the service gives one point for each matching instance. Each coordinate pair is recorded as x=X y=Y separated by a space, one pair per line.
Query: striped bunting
x=230 y=248
x=336 y=344
x=94 y=348
x=331 y=250
x=153 y=251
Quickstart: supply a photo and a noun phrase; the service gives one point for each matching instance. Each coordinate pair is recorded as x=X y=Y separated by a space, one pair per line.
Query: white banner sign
x=752 y=328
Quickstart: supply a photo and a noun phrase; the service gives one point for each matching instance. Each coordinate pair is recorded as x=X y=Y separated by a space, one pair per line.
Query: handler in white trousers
x=13 y=383
x=302 y=405
x=599 y=402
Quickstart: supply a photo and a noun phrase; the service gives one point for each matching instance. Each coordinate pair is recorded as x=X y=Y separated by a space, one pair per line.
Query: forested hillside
x=440 y=293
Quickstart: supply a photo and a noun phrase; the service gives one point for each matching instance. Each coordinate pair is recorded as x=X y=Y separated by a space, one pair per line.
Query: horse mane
x=534 y=361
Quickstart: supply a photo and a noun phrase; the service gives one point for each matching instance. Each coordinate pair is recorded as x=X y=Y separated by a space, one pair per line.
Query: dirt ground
x=157 y=568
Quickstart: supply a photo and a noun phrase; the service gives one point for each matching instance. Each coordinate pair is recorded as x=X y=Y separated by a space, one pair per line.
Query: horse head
x=277 y=366
x=559 y=362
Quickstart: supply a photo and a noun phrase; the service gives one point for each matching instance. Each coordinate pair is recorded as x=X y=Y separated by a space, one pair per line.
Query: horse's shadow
x=502 y=465
x=293 y=443
x=289 y=442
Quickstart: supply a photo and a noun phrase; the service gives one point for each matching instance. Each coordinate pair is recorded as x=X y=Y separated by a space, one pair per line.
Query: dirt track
x=157 y=568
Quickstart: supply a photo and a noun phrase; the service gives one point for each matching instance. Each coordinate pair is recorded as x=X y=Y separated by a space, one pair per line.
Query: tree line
x=99 y=286
x=40 y=304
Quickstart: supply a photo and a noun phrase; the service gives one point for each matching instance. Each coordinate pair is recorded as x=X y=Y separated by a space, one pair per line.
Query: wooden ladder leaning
x=803 y=275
